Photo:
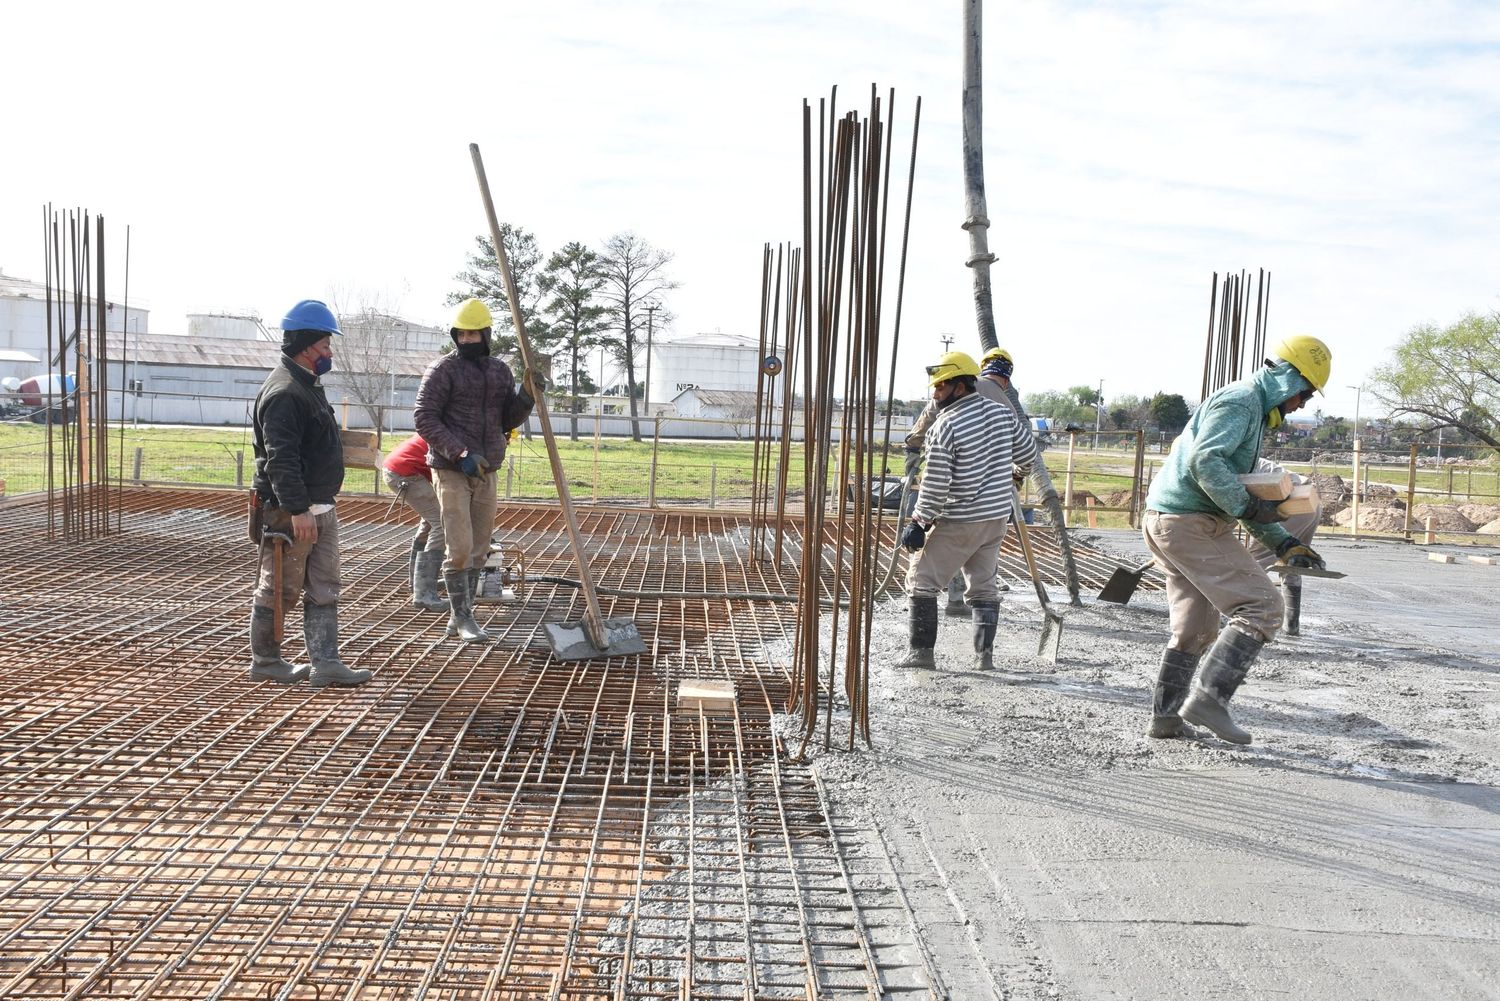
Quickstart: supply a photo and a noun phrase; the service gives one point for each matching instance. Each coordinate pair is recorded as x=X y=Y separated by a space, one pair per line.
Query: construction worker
x=995 y=368
x=407 y=473
x=1299 y=526
x=466 y=403
x=299 y=468
x=1191 y=513
x=963 y=506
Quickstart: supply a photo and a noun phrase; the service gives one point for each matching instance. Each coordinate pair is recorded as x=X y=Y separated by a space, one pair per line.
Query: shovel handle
x=1020 y=523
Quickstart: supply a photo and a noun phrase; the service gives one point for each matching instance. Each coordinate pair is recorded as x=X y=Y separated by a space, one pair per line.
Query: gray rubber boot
x=1224 y=671
x=461 y=618
x=266 y=662
x=1172 y=684
x=320 y=626
x=923 y=612
x=956 y=604
x=986 y=621
x=424 y=591
x=1291 y=599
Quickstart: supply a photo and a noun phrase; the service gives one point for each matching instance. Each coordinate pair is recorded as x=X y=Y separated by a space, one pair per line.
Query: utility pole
x=1357 y=391
x=947 y=340
x=1098 y=414
x=650 y=323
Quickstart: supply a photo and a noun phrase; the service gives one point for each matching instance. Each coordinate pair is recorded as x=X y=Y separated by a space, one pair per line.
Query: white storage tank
x=703 y=361
x=240 y=328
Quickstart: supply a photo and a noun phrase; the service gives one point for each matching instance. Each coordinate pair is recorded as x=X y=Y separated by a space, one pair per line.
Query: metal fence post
x=713 y=484
x=655 y=445
x=510 y=474
x=139 y=456
x=239 y=468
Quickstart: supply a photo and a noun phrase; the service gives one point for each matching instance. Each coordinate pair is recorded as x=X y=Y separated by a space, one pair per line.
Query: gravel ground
x=1051 y=850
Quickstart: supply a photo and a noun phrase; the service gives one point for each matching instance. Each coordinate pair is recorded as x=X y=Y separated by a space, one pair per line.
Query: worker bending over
x=407 y=473
x=966 y=500
x=466 y=403
x=1191 y=513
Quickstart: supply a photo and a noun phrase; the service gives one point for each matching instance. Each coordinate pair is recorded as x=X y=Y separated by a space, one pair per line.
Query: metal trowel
x=1287 y=568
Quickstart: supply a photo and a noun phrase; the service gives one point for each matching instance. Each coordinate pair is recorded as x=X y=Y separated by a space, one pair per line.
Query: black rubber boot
x=1291 y=599
x=320 y=626
x=923 y=611
x=1172 y=684
x=461 y=618
x=266 y=662
x=1223 y=672
x=956 y=604
x=424 y=592
x=986 y=621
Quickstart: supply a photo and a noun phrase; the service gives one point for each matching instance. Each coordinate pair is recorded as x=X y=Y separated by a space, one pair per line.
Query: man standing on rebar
x=1191 y=513
x=466 y=403
x=407 y=473
x=299 y=468
x=963 y=507
x=994 y=376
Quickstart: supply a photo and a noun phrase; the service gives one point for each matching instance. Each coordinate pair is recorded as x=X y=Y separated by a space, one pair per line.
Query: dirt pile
x=1493 y=528
x=1445 y=518
x=1480 y=514
x=1374 y=517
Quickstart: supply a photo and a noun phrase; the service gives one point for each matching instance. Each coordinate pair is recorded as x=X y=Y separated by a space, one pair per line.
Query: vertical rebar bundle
x=77 y=390
x=1236 y=341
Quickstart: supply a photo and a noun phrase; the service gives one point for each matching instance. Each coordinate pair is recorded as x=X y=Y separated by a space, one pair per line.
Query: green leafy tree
x=574 y=278
x=1449 y=377
x=1061 y=409
x=635 y=276
x=1129 y=412
x=481 y=279
x=1169 y=411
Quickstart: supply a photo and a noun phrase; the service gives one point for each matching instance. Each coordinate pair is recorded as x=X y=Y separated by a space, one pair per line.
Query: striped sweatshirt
x=967 y=469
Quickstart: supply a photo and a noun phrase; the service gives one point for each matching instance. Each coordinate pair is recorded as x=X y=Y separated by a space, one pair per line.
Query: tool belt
x=264 y=516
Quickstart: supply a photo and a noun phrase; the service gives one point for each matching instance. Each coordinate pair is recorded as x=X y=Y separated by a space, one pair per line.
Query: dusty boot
x=986 y=620
x=461 y=618
x=923 y=633
x=320 y=626
x=1291 y=599
x=265 y=651
x=1172 y=684
x=424 y=593
x=1223 y=672
x=956 y=604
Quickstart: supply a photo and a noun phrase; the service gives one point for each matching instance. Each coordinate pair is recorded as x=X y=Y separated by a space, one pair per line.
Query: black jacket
x=468 y=404
x=299 y=459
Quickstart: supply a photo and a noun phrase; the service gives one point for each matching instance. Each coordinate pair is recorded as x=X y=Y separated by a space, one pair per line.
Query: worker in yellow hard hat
x=1192 y=510
x=962 y=507
x=466 y=404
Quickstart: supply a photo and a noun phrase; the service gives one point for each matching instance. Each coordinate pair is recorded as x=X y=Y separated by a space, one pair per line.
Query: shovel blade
x=570 y=640
x=1050 y=644
x=1122 y=584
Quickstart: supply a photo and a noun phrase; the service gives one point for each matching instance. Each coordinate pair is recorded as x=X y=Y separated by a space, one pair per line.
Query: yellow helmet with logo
x=1308 y=355
x=951 y=366
x=472 y=314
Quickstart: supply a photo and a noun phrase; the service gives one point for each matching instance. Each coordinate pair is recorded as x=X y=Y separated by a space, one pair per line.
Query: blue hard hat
x=310 y=314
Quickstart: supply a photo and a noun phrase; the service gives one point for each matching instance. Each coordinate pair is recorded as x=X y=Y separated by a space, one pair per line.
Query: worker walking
x=407 y=473
x=466 y=403
x=1191 y=512
x=963 y=506
x=299 y=468
x=994 y=376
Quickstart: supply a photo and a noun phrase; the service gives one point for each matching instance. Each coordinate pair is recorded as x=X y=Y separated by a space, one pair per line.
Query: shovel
x=1052 y=622
x=594 y=636
x=1123 y=582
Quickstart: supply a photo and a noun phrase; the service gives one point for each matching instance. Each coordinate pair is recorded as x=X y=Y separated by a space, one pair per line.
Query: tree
x=365 y=357
x=1059 y=408
x=1450 y=377
x=574 y=278
x=482 y=280
x=1169 y=411
x=635 y=273
x=1129 y=412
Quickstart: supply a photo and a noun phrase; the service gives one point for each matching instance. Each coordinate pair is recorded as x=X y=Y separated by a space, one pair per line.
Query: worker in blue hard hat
x=299 y=469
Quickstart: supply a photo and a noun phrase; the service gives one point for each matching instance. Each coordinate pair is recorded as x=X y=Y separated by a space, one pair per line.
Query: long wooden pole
x=593 y=618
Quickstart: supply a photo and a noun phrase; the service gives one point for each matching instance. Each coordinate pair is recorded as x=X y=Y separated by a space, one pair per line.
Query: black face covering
x=953 y=397
x=470 y=352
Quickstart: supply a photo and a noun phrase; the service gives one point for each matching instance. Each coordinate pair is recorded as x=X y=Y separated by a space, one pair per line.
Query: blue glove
x=913 y=536
x=469 y=465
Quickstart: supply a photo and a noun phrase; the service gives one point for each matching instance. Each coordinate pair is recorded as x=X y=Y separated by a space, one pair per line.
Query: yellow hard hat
x=472 y=315
x=951 y=366
x=1308 y=355
x=994 y=353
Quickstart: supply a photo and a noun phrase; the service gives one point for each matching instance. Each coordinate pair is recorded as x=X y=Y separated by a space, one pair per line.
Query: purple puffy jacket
x=464 y=404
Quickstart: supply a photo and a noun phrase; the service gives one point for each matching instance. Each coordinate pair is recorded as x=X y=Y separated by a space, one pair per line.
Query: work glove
x=1294 y=553
x=1263 y=512
x=913 y=462
x=538 y=381
x=913 y=536
x=469 y=464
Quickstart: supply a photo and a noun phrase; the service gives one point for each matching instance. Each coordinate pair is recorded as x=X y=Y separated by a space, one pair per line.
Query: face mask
x=471 y=351
x=951 y=399
x=323 y=365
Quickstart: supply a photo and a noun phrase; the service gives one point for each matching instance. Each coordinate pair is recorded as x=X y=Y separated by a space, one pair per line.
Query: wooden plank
x=1484 y=561
x=359 y=439
x=1302 y=500
x=709 y=696
x=362 y=458
x=1267 y=486
x=1442 y=558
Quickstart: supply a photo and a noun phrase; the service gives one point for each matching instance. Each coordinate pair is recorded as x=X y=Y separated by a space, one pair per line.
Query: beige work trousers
x=468 y=505
x=973 y=546
x=421 y=496
x=1209 y=572
x=309 y=570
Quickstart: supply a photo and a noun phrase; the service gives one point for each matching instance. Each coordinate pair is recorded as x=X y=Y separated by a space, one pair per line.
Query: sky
x=261 y=154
